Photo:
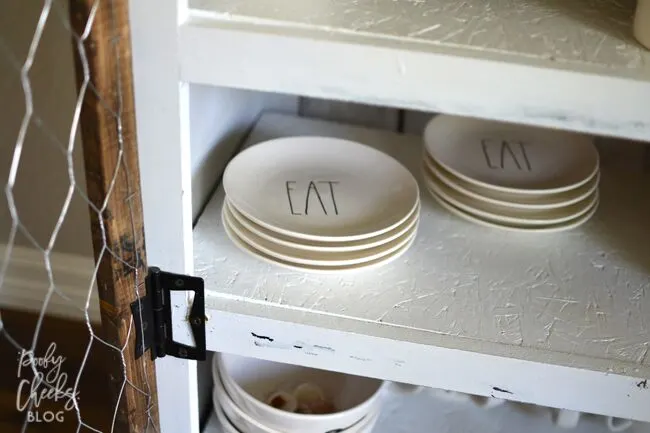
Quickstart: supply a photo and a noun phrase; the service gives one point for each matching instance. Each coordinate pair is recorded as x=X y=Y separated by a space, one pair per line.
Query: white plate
x=322 y=189
x=316 y=269
x=511 y=158
x=302 y=244
x=314 y=258
x=569 y=225
x=508 y=215
x=522 y=201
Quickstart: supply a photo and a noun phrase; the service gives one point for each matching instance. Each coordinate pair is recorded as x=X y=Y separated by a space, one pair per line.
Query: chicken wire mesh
x=45 y=230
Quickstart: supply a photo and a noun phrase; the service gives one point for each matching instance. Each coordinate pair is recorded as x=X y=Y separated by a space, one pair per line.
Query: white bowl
x=249 y=381
x=226 y=425
x=244 y=423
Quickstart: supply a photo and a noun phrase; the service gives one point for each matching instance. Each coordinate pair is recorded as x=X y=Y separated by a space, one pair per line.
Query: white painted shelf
x=467 y=308
x=425 y=413
x=567 y=64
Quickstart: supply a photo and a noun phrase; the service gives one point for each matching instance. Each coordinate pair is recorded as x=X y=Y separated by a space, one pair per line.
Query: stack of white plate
x=320 y=204
x=511 y=176
x=256 y=396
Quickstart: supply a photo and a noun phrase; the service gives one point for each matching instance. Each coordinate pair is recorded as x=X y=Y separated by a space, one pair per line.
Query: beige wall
x=42 y=180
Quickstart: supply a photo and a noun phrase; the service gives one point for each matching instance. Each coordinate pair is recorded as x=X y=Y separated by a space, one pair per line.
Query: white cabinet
x=559 y=320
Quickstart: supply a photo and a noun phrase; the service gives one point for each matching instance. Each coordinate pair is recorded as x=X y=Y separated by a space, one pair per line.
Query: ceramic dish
x=315 y=258
x=248 y=381
x=242 y=245
x=322 y=189
x=569 y=225
x=508 y=215
x=245 y=423
x=226 y=424
x=514 y=200
x=511 y=158
x=303 y=244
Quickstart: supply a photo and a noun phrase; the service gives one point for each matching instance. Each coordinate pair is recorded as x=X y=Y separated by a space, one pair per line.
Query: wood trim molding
x=27 y=283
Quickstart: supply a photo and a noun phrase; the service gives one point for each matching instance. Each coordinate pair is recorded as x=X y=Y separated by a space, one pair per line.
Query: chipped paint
x=505 y=391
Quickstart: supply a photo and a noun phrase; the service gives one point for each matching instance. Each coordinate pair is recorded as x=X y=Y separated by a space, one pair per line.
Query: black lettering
x=523 y=145
x=289 y=189
x=331 y=184
x=506 y=146
x=312 y=186
x=484 y=144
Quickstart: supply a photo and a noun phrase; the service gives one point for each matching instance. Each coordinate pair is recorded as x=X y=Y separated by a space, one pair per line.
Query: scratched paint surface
x=581 y=292
x=590 y=33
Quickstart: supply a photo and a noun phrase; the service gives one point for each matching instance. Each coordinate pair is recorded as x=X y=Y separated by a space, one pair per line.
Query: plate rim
x=242 y=246
x=499 y=219
x=594 y=150
x=412 y=181
x=328 y=246
x=446 y=178
x=317 y=262
x=555 y=228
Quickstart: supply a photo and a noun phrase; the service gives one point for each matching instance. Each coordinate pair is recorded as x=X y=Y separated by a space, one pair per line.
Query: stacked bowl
x=320 y=204
x=256 y=396
x=511 y=176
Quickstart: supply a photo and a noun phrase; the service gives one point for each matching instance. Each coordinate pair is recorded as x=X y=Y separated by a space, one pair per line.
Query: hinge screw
x=196 y=321
x=179 y=283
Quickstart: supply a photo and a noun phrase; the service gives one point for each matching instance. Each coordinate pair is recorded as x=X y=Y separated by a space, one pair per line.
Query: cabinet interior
x=223 y=120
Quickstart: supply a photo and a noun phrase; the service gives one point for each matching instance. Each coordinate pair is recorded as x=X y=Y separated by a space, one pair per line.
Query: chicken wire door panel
x=52 y=386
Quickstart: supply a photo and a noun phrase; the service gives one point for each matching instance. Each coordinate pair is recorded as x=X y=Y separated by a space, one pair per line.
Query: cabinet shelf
x=498 y=313
x=423 y=412
x=572 y=65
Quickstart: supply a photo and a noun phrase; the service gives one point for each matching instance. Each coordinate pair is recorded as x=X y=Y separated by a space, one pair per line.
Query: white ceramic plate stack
x=243 y=387
x=511 y=176
x=320 y=204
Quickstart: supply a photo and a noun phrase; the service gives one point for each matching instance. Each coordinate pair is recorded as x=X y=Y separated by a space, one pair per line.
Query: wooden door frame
x=131 y=48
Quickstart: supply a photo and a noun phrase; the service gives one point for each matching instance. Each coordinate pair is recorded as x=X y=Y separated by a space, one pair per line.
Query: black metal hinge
x=152 y=316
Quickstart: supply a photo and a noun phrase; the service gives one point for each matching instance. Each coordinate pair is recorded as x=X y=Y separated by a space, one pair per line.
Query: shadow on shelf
x=624 y=206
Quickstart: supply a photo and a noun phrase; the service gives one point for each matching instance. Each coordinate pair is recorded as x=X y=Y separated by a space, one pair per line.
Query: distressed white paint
x=424 y=412
x=563 y=64
x=572 y=65
x=163 y=131
x=569 y=309
x=27 y=284
x=357 y=350
x=185 y=135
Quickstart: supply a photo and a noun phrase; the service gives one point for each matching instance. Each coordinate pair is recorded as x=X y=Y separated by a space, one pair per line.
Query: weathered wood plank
x=113 y=185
